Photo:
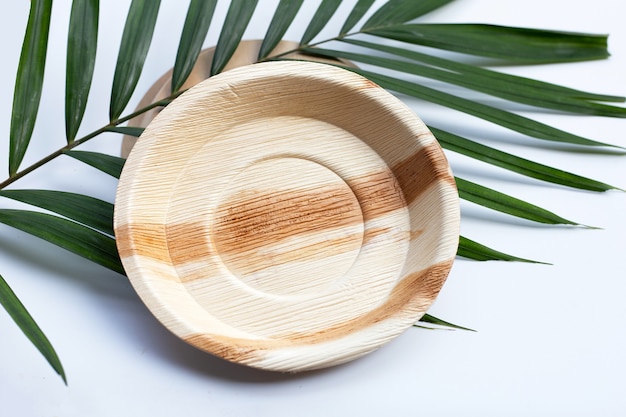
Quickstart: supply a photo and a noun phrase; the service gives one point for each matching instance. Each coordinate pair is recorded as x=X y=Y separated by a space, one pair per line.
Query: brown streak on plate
x=378 y=193
x=254 y=261
x=414 y=293
x=230 y=349
x=142 y=240
x=415 y=234
x=244 y=223
x=187 y=242
x=421 y=170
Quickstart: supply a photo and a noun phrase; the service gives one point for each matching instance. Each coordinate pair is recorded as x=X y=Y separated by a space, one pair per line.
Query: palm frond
x=504 y=43
x=81 y=60
x=522 y=85
x=504 y=203
x=83 y=209
x=29 y=327
x=399 y=11
x=134 y=47
x=507 y=119
x=74 y=237
x=237 y=20
x=473 y=250
x=427 y=318
x=82 y=224
x=358 y=11
x=283 y=17
x=108 y=164
x=29 y=81
x=515 y=89
x=126 y=130
x=197 y=22
x=514 y=163
x=325 y=11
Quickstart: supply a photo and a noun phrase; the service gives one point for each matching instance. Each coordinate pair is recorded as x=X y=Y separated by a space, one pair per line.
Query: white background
x=550 y=340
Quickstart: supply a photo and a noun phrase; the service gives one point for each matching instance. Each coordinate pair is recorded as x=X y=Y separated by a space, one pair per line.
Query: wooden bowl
x=287 y=216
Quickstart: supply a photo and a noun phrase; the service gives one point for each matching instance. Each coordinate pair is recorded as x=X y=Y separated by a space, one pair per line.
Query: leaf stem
x=301 y=48
x=84 y=139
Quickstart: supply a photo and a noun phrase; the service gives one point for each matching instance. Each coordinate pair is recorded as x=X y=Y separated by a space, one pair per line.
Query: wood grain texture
x=246 y=53
x=287 y=216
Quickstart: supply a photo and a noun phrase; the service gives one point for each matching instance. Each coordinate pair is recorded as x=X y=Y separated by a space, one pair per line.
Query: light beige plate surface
x=246 y=53
x=287 y=216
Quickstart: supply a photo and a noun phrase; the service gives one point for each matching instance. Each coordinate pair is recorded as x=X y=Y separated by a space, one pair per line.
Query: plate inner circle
x=288 y=226
x=276 y=229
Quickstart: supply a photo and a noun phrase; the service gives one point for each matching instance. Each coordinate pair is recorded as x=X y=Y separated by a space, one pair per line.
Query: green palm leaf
x=488 y=82
x=83 y=209
x=492 y=114
x=427 y=318
x=196 y=26
x=283 y=17
x=358 y=11
x=516 y=164
x=478 y=252
x=400 y=11
x=108 y=164
x=324 y=12
x=67 y=234
x=27 y=324
x=81 y=58
x=126 y=130
x=134 y=47
x=29 y=81
x=518 y=45
x=495 y=115
x=505 y=81
x=237 y=19
x=503 y=203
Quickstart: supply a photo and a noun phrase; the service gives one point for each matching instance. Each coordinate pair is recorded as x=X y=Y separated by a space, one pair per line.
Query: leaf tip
x=531 y=261
x=61 y=373
x=585 y=226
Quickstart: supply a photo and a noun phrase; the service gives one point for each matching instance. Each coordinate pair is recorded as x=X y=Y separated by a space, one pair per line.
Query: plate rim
x=274 y=68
